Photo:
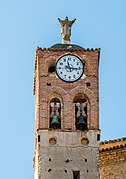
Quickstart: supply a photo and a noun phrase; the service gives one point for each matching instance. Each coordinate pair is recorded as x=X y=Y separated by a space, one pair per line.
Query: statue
x=66 y=30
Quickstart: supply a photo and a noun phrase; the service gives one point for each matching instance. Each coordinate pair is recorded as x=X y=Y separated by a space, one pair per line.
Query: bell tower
x=66 y=110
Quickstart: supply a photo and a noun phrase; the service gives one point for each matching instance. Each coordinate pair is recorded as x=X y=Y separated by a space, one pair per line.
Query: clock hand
x=69 y=67
x=74 y=68
x=68 y=63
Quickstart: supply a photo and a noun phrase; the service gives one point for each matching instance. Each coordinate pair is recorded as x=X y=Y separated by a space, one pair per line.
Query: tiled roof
x=113 y=144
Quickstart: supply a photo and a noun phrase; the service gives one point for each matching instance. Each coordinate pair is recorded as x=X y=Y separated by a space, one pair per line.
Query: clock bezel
x=83 y=64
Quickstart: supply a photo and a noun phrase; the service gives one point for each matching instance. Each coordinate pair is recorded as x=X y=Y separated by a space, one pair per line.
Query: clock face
x=69 y=68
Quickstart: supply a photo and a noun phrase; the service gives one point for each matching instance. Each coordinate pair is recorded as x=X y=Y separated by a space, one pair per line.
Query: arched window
x=80 y=102
x=55 y=114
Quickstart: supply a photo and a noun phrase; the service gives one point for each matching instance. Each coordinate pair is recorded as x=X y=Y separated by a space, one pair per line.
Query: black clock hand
x=75 y=68
x=72 y=68
x=68 y=63
x=69 y=67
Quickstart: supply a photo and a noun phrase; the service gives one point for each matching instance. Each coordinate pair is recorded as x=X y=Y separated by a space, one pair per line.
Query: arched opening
x=80 y=101
x=51 y=67
x=55 y=114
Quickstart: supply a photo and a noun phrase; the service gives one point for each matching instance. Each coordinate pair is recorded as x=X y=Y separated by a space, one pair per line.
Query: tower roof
x=66 y=46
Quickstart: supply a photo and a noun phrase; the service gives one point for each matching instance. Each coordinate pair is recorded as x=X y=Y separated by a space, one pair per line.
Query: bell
x=55 y=124
x=81 y=123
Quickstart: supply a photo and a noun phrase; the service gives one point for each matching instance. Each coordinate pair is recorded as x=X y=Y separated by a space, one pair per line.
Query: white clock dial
x=69 y=68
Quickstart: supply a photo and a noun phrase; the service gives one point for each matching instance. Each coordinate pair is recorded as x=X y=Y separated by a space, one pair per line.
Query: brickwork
x=113 y=159
x=66 y=91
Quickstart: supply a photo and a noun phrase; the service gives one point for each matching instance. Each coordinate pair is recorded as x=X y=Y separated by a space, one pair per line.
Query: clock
x=69 y=68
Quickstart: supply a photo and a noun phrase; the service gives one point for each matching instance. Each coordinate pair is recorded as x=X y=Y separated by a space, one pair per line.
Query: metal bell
x=81 y=123
x=55 y=123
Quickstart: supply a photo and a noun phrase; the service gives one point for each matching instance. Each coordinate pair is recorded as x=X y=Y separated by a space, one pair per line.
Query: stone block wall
x=59 y=154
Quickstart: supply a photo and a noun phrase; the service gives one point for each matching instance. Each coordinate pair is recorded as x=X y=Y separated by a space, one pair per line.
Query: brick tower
x=66 y=110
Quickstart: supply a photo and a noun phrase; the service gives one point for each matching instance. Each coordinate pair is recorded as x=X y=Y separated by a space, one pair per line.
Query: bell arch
x=84 y=100
x=55 y=90
x=80 y=111
x=63 y=96
x=55 y=113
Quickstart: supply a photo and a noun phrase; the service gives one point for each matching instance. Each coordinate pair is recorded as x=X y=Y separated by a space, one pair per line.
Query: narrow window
x=76 y=174
x=55 y=114
x=38 y=138
x=98 y=137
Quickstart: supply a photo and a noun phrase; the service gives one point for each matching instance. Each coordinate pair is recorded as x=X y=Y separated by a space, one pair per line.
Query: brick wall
x=113 y=159
x=47 y=85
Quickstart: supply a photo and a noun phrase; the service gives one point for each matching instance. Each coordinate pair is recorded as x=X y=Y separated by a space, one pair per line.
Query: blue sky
x=26 y=24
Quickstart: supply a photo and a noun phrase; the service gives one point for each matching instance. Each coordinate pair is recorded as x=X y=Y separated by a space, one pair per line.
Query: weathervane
x=66 y=29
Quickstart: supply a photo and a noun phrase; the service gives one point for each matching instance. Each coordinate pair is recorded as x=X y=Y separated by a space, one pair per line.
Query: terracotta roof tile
x=113 y=144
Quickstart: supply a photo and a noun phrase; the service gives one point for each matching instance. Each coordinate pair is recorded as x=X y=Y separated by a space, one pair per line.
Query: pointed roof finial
x=66 y=29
